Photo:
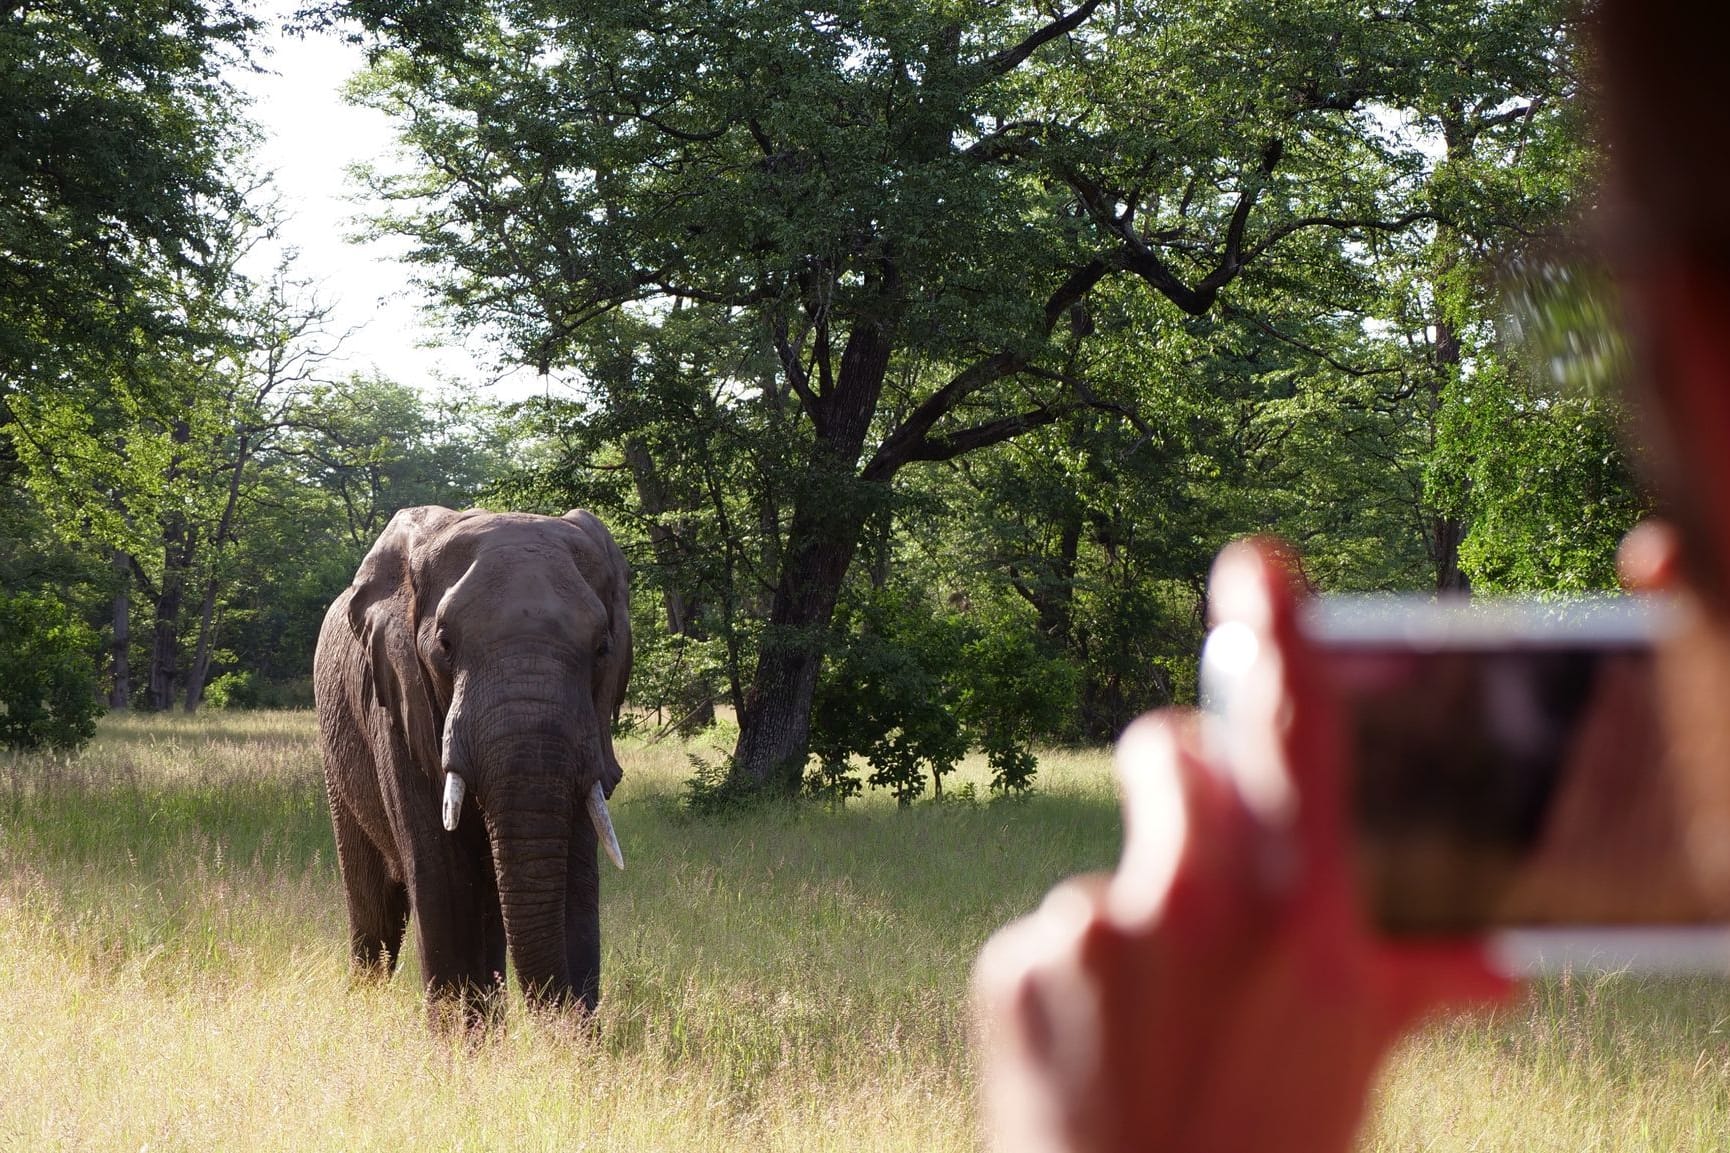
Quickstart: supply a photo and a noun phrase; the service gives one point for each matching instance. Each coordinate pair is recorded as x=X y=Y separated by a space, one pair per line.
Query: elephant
x=466 y=684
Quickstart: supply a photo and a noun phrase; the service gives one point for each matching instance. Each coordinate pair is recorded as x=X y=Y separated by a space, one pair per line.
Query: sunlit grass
x=1589 y=1063
x=173 y=975
x=172 y=948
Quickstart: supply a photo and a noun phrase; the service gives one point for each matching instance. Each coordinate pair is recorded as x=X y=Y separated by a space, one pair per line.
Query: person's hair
x=1665 y=128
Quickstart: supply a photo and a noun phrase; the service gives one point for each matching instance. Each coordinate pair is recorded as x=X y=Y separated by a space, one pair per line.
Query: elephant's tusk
x=604 y=825
x=454 y=789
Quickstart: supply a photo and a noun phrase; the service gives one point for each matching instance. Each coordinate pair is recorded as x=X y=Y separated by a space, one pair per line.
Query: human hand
x=1219 y=991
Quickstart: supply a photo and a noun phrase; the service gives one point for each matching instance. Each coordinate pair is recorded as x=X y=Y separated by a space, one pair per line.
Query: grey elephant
x=466 y=684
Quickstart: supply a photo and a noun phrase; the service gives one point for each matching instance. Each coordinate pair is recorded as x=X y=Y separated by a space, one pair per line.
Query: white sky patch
x=312 y=137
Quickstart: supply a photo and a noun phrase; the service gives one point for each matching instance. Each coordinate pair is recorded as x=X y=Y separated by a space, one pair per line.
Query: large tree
x=914 y=204
x=115 y=132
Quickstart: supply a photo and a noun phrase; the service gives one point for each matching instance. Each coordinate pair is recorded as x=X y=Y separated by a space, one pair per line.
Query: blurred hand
x=1218 y=992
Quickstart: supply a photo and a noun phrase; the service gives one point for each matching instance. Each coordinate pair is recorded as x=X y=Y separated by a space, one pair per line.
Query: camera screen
x=1502 y=787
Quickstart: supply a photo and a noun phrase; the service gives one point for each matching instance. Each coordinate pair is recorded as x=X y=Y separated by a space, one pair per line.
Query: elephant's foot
x=469 y=1010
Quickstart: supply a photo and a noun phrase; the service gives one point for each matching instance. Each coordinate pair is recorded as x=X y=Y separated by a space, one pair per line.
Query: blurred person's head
x=1665 y=228
x=1665 y=225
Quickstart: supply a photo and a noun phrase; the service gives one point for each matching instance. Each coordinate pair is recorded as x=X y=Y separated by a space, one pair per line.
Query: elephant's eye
x=604 y=648
x=444 y=642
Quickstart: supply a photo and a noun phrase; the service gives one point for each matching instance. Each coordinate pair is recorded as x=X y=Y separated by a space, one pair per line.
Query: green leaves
x=913 y=687
x=113 y=140
x=47 y=674
x=1542 y=478
x=1213 y=264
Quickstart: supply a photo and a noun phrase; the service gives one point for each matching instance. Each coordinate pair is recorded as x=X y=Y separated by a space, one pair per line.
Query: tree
x=691 y=479
x=374 y=446
x=1531 y=446
x=114 y=138
x=115 y=141
x=158 y=473
x=915 y=207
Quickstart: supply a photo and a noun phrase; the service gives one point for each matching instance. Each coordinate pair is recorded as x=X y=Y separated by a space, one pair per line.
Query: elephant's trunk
x=531 y=851
x=535 y=768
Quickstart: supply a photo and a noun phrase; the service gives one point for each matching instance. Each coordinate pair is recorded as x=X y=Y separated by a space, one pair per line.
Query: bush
x=232 y=690
x=1012 y=692
x=674 y=677
x=884 y=698
x=917 y=686
x=47 y=674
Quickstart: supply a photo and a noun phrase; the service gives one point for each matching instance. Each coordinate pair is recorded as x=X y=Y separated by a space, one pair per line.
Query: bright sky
x=312 y=137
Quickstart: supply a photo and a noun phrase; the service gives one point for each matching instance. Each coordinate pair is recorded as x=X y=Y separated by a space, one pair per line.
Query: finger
x=1290 y=739
x=1185 y=832
x=1024 y=954
x=1038 y=1018
x=1246 y=597
x=1156 y=816
x=1650 y=557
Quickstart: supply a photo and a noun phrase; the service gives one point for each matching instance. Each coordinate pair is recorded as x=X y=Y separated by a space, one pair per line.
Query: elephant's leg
x=435 y=878
x=583 y=913
x=378 y=905
x=445 y=934
x=487 y=980
x=456 y=917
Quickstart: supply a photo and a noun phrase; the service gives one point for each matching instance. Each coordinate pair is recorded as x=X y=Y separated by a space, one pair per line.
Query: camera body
x=1510 y=774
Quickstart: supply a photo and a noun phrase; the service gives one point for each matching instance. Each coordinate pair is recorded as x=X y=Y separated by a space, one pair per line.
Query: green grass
x=173 y=975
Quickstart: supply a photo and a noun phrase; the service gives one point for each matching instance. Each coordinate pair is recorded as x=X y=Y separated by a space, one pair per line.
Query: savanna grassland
x=173 y=976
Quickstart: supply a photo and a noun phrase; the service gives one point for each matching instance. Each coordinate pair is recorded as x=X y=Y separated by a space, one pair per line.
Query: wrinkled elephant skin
x=467 y=682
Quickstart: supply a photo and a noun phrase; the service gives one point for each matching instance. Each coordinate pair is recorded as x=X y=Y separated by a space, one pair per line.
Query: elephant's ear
x=603 y=566
x=384 y=611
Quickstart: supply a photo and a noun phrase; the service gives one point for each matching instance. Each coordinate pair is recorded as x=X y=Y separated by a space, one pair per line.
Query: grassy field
x=173 y=970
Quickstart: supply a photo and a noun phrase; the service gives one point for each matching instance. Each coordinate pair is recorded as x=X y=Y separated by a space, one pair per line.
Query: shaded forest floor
x=173 y=968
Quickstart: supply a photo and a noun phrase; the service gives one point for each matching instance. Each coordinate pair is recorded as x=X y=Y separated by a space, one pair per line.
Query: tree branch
x=797 y=378
x=1231 y=260
x=905 y=442
x=1342 y=222
x=1005 y=143
x=911 y=439
x=1008 y=59
x=1091 y=399
x=1326 y=358
x=978 y=436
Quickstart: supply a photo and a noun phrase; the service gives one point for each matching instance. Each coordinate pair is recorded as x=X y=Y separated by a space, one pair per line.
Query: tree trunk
x=694 y=700
x=828 y=519
x=178 y=548
x=207 y=610
x=201 y=660
x=1053 y=598
x=120 y=650
x=1447 y=533
x=775 y=730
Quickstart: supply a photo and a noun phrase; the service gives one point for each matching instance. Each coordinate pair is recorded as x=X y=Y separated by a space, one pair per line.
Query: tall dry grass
x=173 y=976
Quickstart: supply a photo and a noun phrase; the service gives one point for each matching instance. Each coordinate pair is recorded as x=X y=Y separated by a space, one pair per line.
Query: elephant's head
x=500 y=644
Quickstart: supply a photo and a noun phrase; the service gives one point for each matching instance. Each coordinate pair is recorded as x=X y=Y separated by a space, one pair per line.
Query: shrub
x=916 y=686
x=1012 y=693
x=233 y=690
x=47 y=674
